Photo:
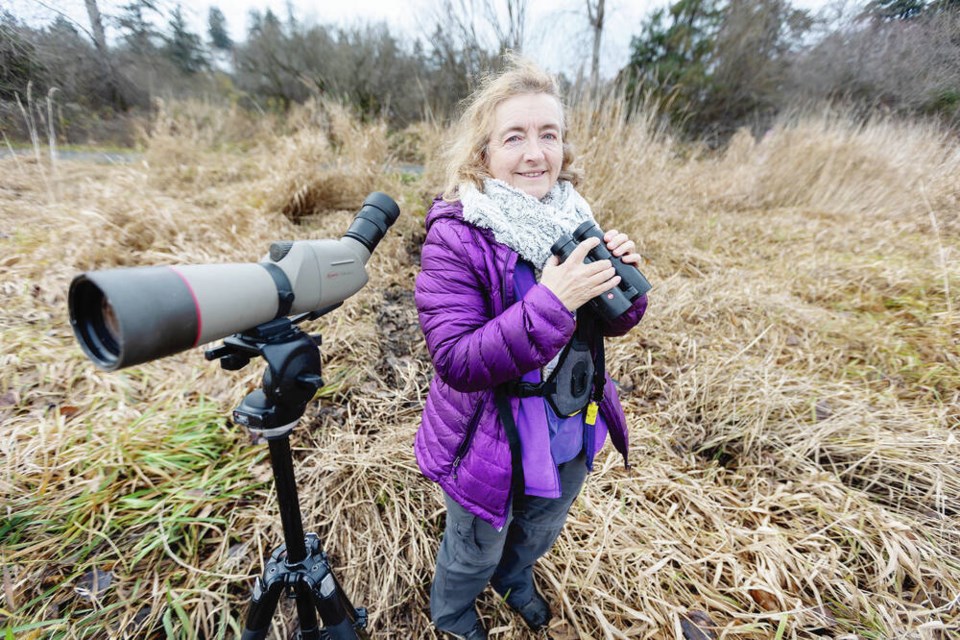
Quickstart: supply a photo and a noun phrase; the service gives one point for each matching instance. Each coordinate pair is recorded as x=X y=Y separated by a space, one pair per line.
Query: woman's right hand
x=575 y=282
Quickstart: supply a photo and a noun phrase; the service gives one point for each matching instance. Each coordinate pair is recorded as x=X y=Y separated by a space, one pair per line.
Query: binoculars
x=613 y=303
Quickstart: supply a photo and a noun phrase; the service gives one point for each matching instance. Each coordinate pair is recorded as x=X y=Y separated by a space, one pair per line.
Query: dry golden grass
x=792 y=394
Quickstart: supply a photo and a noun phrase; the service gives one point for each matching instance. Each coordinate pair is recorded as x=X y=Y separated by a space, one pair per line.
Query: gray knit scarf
x=520 y=221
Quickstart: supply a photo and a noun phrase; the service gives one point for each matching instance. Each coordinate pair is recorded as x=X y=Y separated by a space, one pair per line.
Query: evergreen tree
x=715 y=65
x=137 y=31
x=217 y=30
x=896 y=9
x=183 y=47
x=670 y=59
x=19 y=63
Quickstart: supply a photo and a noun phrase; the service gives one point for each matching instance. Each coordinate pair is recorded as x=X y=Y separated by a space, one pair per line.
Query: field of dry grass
x=792 y=394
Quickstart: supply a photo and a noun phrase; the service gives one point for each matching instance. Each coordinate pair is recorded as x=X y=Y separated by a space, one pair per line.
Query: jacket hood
x=443 y=209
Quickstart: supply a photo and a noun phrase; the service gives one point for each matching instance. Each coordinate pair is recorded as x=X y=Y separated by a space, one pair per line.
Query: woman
x=498 y=311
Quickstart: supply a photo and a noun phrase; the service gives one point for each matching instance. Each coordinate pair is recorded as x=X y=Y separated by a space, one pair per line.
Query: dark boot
x=477 y=633
x=535 y=613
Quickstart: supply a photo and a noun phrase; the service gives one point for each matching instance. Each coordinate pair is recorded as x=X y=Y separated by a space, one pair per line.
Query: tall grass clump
x=627 y=155
x=831 y=161
x=792 y=393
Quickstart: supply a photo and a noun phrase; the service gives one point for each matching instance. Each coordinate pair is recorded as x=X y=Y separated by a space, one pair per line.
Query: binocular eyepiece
x=613 y=303
x=128 y=316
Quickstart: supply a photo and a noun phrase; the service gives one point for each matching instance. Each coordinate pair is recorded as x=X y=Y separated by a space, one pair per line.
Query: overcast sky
x=557 y=35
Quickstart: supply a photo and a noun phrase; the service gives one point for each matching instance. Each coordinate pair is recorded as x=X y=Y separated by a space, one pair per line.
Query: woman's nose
x=533 y=151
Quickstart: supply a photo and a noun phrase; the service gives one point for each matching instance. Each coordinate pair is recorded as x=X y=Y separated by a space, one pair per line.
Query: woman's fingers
x=602 y=284
x=624 y=249
x=618 y=243
x=581 y=251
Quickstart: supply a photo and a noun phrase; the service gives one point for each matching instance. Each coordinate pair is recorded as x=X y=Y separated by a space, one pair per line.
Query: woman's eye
x=550 y=136
x=513 y=139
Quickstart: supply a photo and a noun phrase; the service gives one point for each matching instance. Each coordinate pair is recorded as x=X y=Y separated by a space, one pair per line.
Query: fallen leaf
x=8 y=589
x=823 y=410
x=697 y=625
x=562 y=630
x=766 y=600
x=93 y=583
x=10 y=399
x=68 y=410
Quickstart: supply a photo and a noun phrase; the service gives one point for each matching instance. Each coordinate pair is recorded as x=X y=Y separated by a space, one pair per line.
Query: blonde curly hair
x=466 y=153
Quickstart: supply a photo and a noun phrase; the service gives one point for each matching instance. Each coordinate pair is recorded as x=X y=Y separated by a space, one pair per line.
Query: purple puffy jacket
x=479 y=336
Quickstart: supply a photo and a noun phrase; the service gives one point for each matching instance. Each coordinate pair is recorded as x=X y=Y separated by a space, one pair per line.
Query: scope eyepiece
x=377 y=214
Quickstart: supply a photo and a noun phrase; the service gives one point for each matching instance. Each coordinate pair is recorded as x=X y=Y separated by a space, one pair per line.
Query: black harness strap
x=588 y=331
x=513 y=438
x=586 y=323
x=599 y=359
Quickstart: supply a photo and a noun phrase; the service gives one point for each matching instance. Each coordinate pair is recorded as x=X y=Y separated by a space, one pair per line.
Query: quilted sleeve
x=628 y=320
x=471 y=349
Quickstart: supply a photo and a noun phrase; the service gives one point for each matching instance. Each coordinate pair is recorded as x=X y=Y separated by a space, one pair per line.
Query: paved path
x=98 y=157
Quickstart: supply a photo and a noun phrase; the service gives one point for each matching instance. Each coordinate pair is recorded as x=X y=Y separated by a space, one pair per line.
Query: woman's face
x=525 y=148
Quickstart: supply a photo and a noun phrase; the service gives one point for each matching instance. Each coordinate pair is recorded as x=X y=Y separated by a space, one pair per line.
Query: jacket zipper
x=504 y=284
x=475 y=419
x=471 y=429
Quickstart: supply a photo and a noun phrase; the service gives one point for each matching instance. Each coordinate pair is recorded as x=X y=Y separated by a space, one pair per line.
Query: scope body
x=128 y=316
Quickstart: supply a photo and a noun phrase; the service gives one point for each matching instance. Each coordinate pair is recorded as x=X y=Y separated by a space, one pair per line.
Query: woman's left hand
x=621 y=247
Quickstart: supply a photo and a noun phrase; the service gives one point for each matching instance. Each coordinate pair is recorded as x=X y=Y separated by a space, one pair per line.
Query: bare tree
x=96 y=25
x=100 y=41
x=595 y=15
x=509 y=35
x=907 y=66
x=492 y=27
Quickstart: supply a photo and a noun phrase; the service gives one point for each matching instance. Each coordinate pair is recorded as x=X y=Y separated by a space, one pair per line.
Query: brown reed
x=792 y=394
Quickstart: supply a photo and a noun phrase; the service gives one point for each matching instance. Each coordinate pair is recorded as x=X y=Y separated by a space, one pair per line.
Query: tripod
x=298 y=568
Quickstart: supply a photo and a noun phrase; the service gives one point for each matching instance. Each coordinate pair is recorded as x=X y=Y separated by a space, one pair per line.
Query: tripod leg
x=357 y=616
x=341 y=621
x=306 y=613
x=263 y=604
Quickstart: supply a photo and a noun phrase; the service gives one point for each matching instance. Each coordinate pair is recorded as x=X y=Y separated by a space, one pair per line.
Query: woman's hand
x=622 y=247
x=575 y=282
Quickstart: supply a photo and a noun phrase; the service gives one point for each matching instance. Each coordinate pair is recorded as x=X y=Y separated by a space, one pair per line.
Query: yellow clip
x=592 y=410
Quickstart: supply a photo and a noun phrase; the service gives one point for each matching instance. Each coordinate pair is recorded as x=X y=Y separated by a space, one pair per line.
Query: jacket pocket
x=468 y=438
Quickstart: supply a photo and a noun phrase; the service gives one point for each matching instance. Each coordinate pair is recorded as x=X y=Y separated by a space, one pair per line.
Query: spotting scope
x=128 y=316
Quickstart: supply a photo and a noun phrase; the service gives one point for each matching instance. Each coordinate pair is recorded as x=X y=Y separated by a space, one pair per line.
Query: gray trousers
x=473 y=553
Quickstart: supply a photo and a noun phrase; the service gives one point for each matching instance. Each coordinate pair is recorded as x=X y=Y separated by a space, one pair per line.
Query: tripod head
x=292 y=376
